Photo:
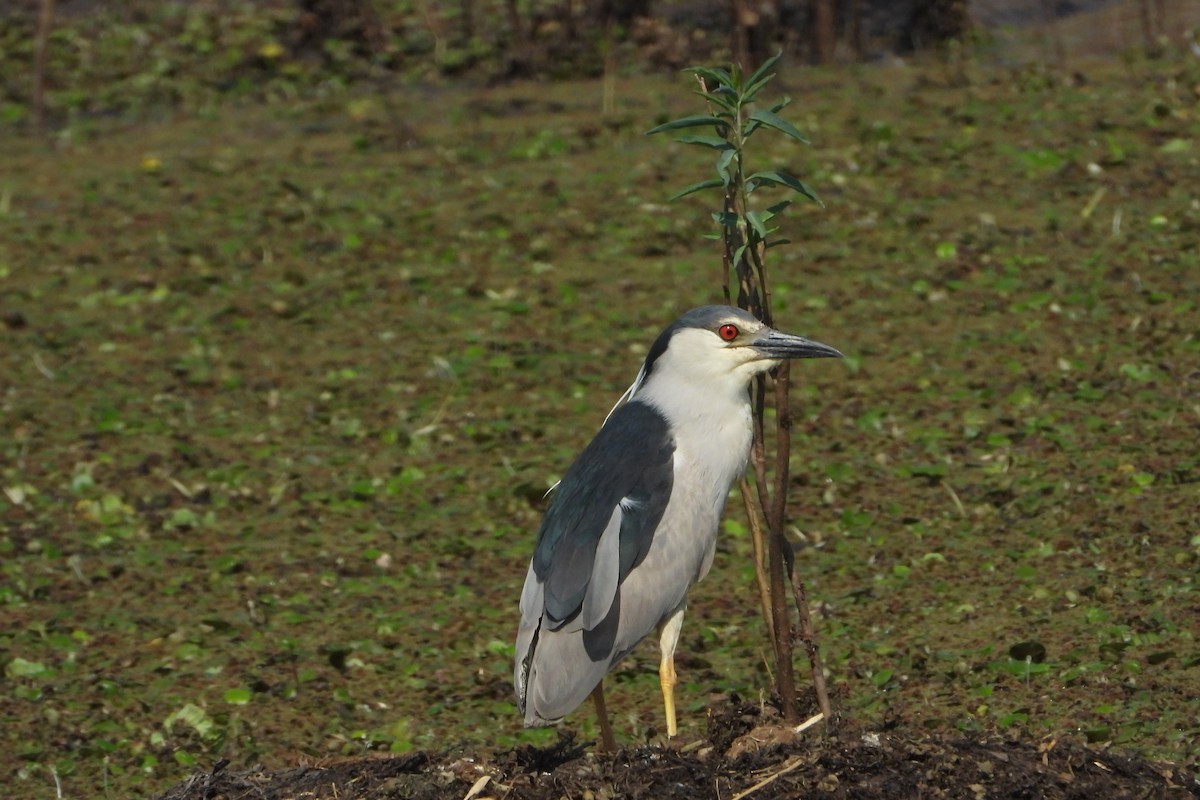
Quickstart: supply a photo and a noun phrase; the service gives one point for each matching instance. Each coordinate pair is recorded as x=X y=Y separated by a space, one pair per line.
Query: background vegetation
x=286 y=367
x=97 y=59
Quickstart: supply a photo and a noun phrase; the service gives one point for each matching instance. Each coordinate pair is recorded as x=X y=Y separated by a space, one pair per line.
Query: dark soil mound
x=746 y=754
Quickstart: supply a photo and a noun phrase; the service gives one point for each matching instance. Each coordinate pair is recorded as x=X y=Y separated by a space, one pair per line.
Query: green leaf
x=719 y=98
x=719 y=76
x=783 y=179
x=753 y=90
x=781 y=105
x=687 y=122
x=739 y=255
x=753 y=125
x=726 y=219
x=194 y=717
x=501 y=648
x=1160 y=657
x=723 y=162
x=760 y=78
x=757 y=224
x=20 y=668
x=1019 y=668
x=772 y=120
x=711 y=183
x=767 y=216
x=238 y=697
x=715 y=142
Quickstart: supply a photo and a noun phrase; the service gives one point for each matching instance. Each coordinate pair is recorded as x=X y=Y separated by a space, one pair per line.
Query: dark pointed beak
x=775 y=345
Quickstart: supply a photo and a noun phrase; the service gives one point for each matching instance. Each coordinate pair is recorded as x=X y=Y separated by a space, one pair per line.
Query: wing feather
x=599 y=527
x=607 y=506
x=606 y=574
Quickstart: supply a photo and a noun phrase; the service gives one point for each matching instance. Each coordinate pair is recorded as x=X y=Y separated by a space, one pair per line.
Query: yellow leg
x=668 y=638
x=607 y=742
x=666 y=678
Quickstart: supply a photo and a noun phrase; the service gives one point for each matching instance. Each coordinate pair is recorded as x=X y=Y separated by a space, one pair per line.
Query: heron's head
x=723 y=346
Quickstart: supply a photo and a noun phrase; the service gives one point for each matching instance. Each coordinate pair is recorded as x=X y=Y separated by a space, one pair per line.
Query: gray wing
x=599 y=526
x=620 y=483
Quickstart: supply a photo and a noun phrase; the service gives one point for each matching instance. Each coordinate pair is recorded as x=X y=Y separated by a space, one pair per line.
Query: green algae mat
x=282 y=390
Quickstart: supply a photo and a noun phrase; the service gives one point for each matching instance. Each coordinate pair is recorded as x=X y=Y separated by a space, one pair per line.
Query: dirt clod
x=854 y=765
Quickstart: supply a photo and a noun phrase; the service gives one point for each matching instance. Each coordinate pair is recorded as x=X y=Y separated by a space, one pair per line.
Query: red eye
x=728 y=332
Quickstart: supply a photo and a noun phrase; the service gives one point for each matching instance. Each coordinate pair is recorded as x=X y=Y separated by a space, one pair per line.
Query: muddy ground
x=283 y=385
x=746 y=752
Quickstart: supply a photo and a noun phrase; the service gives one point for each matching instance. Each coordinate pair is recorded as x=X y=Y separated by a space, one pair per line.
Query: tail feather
x=553 y=672
x=555 y=676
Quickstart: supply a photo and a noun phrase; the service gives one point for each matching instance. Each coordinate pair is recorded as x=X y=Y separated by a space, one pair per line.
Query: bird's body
x=633 y=523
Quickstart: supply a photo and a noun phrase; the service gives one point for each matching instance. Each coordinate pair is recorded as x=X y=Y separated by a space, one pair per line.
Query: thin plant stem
x=760 y=557
x=45 y=23
x=808 y=638
x=743 y=252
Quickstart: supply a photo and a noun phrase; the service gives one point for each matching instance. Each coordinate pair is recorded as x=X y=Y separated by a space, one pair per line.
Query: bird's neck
x=711 y=424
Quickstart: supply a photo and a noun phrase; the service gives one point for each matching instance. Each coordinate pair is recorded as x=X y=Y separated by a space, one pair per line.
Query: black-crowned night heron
x=633 y=523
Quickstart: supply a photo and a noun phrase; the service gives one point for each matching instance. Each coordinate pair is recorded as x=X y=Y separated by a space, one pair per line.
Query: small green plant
x=744 y=231
x=745 y=235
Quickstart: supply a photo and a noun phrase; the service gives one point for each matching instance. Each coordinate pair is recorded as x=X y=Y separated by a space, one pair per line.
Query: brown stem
x=730 y=202
x=783 y=452
x=608 y=744
x=780 y=554
x=758 y=458
x=758 y=464
x=1147 y=26
x=824 y=31
x=523 y=52
x=730 y=247
x=45 y=21
x=785 y=678
x=754 y=296
x=1050 y=19
x=809 y=639
x=760 y=560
